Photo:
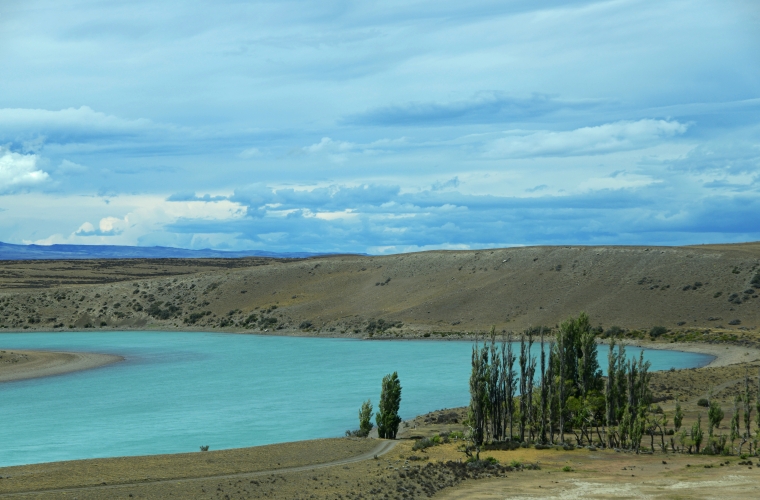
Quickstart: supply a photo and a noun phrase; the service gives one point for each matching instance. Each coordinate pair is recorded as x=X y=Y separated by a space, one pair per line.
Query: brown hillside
x=631 y=287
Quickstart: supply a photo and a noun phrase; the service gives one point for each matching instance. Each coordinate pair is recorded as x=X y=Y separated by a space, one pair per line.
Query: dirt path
x=381 y=449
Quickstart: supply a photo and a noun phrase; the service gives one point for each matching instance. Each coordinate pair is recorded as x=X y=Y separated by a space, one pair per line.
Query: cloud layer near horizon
x=341 y=126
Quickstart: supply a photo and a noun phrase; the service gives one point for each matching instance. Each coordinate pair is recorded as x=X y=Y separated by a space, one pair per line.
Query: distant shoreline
x=40 y=363
x=724 y=354
x=29 y=364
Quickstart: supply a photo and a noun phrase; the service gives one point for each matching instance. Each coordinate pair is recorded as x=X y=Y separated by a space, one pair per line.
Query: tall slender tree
x=494 y=386
x=478 y=396
x=511 y=385
x=562 y=401
x=387 y=417
x=550 y=394
x=531 y=372
x=609 y=397
x=544 y=390
x=365 y=418
x=523 y=362
x=747 y=397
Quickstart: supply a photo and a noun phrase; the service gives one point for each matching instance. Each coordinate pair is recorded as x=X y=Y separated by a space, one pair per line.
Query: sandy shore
x=725 y=355
x=21 y=365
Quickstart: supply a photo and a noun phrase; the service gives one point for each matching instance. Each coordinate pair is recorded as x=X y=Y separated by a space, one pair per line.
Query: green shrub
x=703 y=402
x=613 y=331
x=194 y=317
x=567 y=468
x=657 y=331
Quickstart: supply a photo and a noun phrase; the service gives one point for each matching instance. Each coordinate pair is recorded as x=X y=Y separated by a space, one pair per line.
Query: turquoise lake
x=177 y=391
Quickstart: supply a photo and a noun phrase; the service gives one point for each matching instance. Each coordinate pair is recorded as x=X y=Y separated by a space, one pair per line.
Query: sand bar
x=21 y=365
x=725 y=354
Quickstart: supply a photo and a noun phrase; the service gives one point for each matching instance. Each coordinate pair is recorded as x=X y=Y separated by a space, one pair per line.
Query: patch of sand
x=21 y=365
x=725 y=354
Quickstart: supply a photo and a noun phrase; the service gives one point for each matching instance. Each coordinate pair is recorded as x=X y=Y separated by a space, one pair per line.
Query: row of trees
x=517 y=396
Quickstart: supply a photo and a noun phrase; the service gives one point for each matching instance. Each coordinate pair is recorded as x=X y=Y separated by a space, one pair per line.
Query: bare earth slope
x=631 y=287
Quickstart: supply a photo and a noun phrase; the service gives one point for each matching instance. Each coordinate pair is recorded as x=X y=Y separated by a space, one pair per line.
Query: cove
x=177 y=391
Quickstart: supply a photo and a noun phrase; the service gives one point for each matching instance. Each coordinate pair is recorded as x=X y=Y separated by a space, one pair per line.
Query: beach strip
x=26 y=364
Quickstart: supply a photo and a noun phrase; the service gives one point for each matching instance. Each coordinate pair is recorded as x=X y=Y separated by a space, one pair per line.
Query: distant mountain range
x=61 y=252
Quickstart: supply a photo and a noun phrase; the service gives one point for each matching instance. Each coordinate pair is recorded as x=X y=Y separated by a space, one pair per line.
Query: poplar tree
x=542 y=432
x=511 y=384
x=735 y=421
x=365 y=418
x=387 y=417
x=478 y=397
x=531 y=417
x=678 y=417
x=747 y=406
x=609 y=398
x=523 y=361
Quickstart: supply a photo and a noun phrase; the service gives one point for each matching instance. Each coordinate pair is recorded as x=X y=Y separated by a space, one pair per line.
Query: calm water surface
x=178 y=391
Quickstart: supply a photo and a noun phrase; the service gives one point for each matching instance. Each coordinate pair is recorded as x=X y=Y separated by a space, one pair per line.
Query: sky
x=379 y=127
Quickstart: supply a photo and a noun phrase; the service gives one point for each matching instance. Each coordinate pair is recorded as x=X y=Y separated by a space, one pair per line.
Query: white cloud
x=602 y=139
x=86 y=228
x=108 y=226
x=18 y=171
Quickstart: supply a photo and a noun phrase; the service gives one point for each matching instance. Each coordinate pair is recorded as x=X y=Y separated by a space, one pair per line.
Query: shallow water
x=178 y=391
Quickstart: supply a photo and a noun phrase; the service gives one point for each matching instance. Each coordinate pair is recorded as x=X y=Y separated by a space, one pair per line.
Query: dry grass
x=434 y=293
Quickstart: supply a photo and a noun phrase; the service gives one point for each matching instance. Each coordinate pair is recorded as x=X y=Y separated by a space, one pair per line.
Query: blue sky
x=379 y=127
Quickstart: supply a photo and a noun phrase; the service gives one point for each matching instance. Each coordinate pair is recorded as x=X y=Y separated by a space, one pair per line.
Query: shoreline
x=724 y=354
x=30 y=364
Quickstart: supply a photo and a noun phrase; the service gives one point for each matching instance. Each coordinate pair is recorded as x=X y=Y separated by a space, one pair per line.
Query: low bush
x=194 y=317
x=425 y=443
x=613 y=331
x=703 y=402
x=657 y=331
x=356 y=433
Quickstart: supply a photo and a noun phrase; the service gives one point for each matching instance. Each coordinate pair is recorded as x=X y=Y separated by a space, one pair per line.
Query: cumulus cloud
x=19 y=171
x=607 y=138
x=108 y=226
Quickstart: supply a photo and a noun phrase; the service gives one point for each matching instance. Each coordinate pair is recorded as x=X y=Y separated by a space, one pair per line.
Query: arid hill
x=441 y=291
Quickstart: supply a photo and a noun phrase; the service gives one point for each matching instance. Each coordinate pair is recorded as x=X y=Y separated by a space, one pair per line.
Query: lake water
x=178 y=391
